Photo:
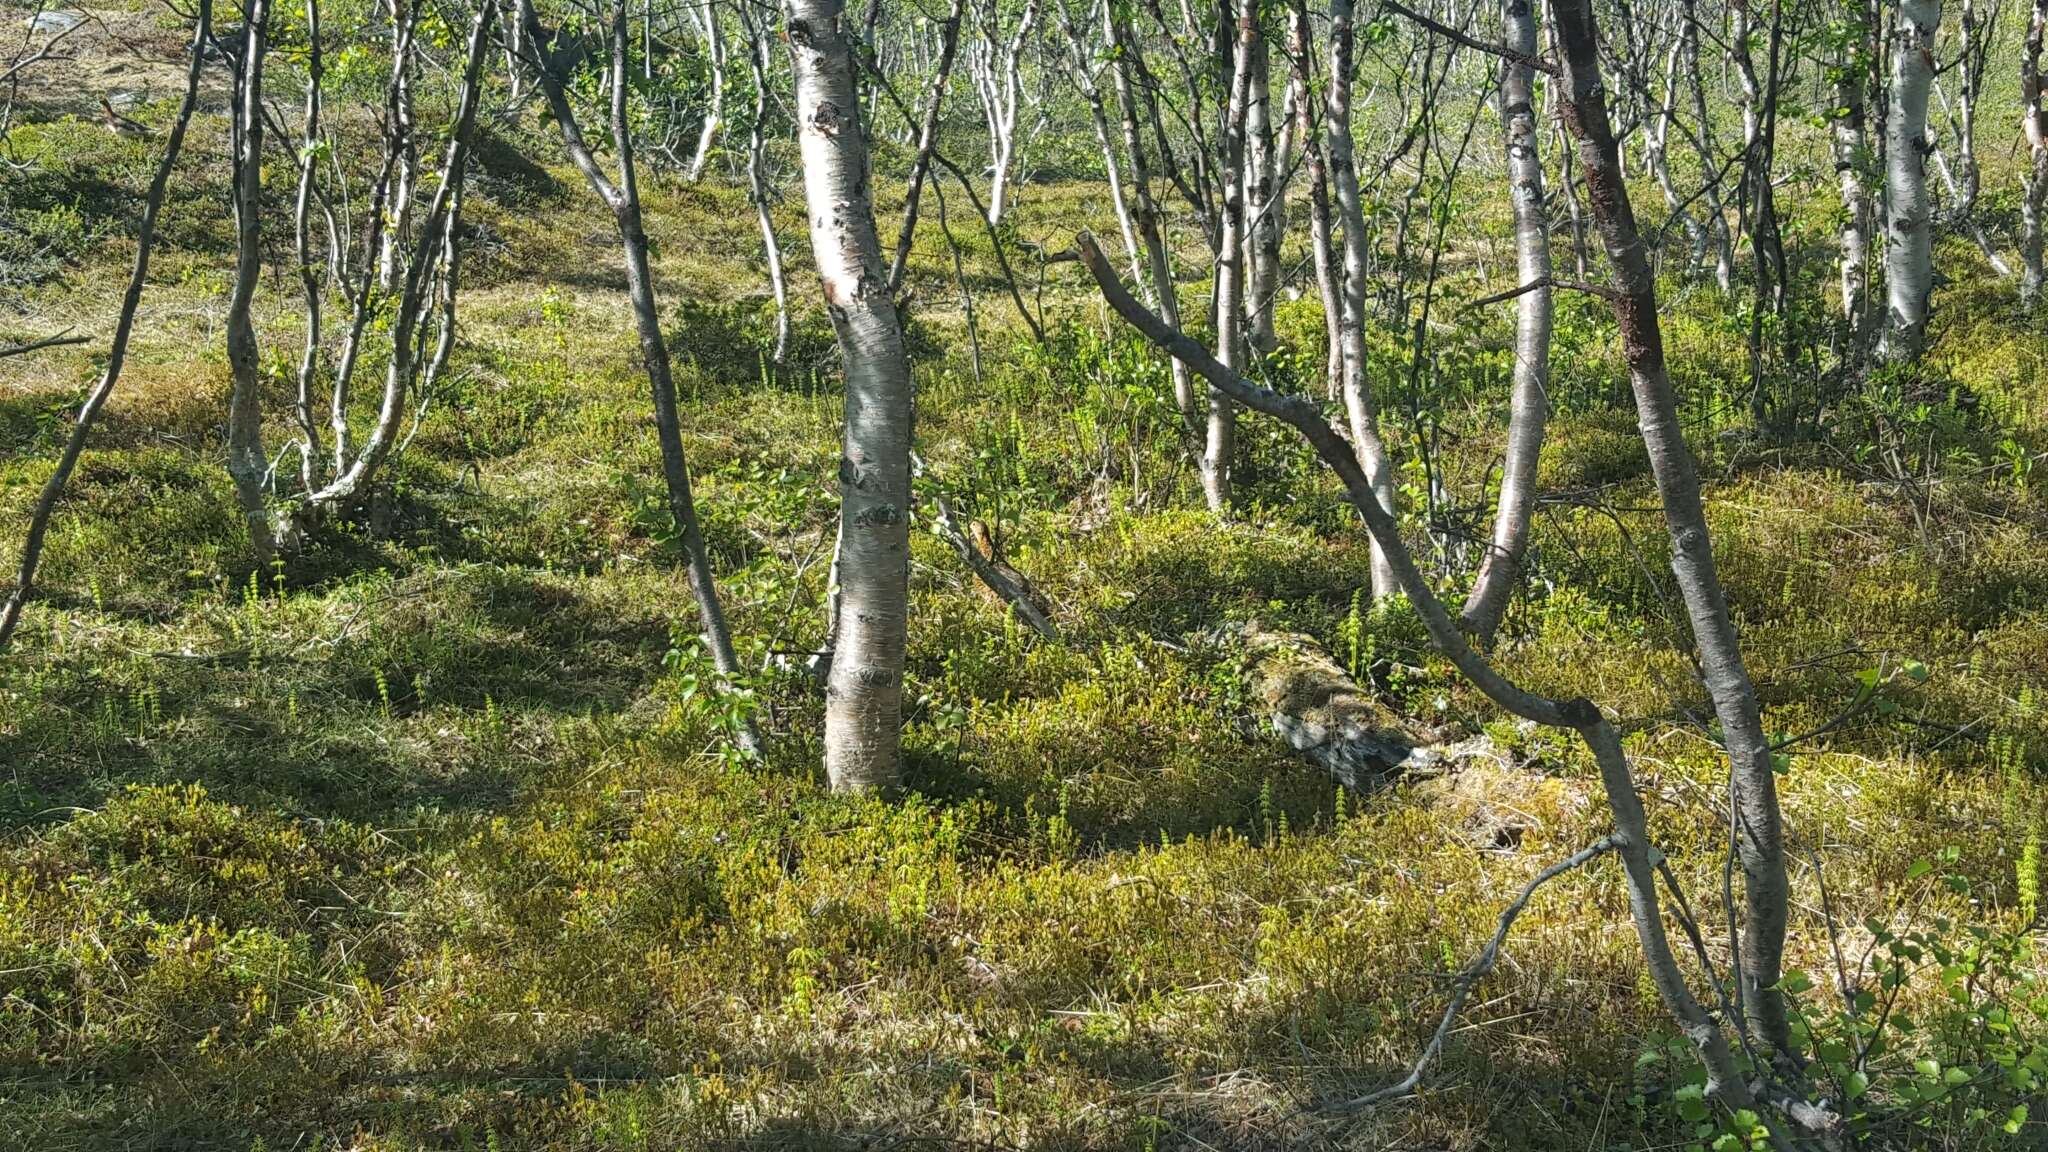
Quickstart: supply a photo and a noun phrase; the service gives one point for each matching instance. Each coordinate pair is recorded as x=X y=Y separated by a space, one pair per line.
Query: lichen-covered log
x=1325 y=715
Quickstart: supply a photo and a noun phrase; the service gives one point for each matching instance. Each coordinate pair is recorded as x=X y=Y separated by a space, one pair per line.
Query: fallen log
x=1330 y=719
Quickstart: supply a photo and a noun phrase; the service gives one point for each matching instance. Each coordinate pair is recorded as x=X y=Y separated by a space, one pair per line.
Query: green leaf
x=2016 y=1119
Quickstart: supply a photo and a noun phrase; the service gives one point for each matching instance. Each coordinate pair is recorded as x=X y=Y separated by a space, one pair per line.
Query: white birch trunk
x=1909 y=249
x=2034 y=113
x=1530 y=402
x=1851 y=147
x=1262 y=207
x=713 y=30
x=1221 y=445
x=1358 y=406
x=864 y=690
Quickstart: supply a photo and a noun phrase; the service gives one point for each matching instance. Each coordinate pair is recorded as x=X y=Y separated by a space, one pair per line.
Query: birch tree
x=995 y=58
x=704 y=14
x=430 y=273
x=621 y=197
x=864 y=688
x=927 y=138
x=1126 y=63
x=1530 y=400
x=1752 y=781
x=758 y=189
x=2034 y=121
x=1909 y=247
x=124 y=329
x=1220 y=448
x=1358 y=405
x=247 y=464
x=1850 y=147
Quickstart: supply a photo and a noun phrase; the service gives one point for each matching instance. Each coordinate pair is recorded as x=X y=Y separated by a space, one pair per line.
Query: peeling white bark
x=1909 y=250
x=864 y=689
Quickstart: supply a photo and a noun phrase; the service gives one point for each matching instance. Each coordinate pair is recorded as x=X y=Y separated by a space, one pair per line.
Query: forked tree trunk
x=435 y=247
x=999 y=78
x=1358 y=406
x=864 y=690
x=1909 y=252
x=1634 y=292
x=1631 y=839
x=1530 y=402
x=1158 y=289
x=117 y=352
x=247 y=464
x=366 y=302
x=2034 y=111
x=714 y=116
x=623 y=200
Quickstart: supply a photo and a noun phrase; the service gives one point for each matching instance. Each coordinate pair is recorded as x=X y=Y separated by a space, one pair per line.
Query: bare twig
x=1539 y=63
x=57 y=341
x=1477 y=970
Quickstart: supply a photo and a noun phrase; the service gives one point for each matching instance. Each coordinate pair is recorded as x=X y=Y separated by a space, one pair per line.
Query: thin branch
x=1477 y=970
x=38 y=345
x=1539 y=63
x=1600 y=290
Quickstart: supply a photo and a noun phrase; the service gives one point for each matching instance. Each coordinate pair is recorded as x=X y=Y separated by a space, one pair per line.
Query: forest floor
x=433 y=837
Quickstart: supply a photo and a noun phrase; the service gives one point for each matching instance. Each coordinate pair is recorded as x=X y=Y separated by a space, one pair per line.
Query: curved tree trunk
x=623 y=200
x=117 y=352
x=757 y=178
x=864 y=690
x=1300 y=50
x=435 y=244
x=927 y=139
x=714 y=116
x=1717 y=233
x=1634 y=293
x=1631 y=836
x=1530 y=403
x=1365 y=437
x=1081 y=56
x=1159 y=289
